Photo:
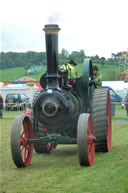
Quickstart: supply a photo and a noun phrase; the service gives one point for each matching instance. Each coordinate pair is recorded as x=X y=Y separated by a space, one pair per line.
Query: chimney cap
x=51 y=26
x=51 y=29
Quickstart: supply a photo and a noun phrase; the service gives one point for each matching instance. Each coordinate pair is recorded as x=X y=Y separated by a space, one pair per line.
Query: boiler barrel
x=55 y=108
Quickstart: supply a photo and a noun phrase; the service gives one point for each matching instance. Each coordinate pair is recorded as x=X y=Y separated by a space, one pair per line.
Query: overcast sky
x=96 y=26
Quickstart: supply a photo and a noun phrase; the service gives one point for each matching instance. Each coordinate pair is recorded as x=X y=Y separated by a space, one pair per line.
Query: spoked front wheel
x=85 y=140
x=20 y=148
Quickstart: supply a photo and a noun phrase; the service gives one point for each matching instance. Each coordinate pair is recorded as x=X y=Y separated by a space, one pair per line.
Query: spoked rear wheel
x=85 y=140
x=20 y=149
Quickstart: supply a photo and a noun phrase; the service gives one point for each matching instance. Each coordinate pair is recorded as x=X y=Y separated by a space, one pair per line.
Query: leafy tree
x=77 y=56
x=102 y=61
x=82 y=55
x=30 y=58
x=64 y=53
x=95 y=59
x=113 y=56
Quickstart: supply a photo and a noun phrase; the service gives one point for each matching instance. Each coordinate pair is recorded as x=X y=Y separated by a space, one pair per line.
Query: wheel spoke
x=49 y=146
x=27 y=147
x=25 y=154
x=25 y=126
x=22 y=140
x=22 y=133
x=22 y=148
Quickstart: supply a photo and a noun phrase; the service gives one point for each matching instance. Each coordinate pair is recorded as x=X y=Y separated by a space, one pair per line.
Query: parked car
x=115 y=97
x=16 y=101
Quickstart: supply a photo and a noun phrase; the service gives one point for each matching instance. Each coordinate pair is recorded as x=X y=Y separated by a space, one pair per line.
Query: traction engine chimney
x=51 y=37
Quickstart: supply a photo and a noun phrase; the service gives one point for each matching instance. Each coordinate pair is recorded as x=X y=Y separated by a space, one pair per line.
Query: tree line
x=30 y=58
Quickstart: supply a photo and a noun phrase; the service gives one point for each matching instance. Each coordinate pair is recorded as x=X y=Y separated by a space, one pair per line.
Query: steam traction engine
x=64 y=112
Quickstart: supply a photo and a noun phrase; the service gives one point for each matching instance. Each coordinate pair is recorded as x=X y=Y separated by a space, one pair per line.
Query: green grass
x=119 y=113
x=13 y=74
x=60 y=172
x=110 y=72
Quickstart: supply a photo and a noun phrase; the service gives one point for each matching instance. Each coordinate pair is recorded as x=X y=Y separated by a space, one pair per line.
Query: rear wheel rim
x=109 y=129
x=91 y=144
x=48 y=145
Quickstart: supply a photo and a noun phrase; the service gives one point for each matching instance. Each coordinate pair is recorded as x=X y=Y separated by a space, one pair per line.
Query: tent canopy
x=1 y=84
x=26 y=78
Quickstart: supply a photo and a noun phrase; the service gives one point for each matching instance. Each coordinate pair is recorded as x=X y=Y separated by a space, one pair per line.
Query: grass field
x=110 y=72
x=60 y=172
x=13 y=74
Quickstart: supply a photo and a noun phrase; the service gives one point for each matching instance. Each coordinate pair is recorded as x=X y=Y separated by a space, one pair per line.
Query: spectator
x=1 y=106
x=28 y=111
x=70 y=67
x=126 y=103
x=97 y=77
